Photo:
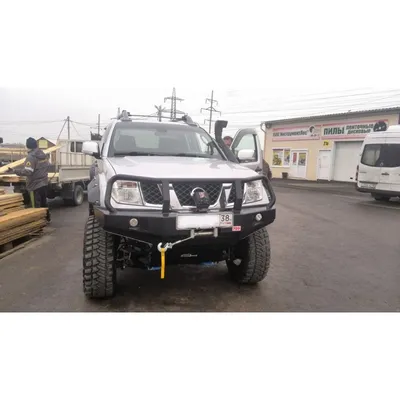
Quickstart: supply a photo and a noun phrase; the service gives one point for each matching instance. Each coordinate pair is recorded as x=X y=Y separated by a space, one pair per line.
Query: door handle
x=385 y=173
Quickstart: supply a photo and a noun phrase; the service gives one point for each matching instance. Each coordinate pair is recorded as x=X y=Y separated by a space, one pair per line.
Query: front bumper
x=157 y=226
x=387 y=193
x=154 y=227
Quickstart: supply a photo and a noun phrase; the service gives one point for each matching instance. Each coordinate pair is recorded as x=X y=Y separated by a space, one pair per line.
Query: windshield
x=381 y=155
x=162 y=140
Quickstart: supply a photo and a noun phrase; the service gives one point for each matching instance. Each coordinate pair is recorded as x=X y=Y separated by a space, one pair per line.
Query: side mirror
x=91 y=148
x=246 y=155
x=1 y=140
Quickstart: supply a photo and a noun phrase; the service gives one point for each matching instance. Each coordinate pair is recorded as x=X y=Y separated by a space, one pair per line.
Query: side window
x=76 y=147
x=371 y=155
x=391 y=156
x=247 y=142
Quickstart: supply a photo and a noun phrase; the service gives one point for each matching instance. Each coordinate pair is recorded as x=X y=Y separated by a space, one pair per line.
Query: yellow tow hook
x=162 y=250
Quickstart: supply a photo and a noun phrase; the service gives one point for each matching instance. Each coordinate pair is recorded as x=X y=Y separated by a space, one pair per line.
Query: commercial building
x=324 y=147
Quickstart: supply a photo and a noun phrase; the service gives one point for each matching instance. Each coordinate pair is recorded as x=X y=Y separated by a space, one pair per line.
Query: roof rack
x=127 y=116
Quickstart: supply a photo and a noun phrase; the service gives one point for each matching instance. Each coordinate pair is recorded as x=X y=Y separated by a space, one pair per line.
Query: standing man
x=35 y=169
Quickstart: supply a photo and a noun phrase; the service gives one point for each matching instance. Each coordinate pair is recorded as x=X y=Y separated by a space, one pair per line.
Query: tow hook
x=169 y=245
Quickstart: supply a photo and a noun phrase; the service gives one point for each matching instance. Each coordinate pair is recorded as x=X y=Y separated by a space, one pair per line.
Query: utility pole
x=68 y=128
x=173 y=111
x=98 y=125
x=211 y=110
x=119 y=112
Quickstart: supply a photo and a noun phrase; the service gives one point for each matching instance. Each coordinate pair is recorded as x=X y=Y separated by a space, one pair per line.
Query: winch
x=169 y=245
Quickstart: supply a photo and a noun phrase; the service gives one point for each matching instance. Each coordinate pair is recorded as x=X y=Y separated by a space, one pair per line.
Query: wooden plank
x=10 y=198
x=20 y=218
x=22 y=231
x=22 y=161
x=13 y=178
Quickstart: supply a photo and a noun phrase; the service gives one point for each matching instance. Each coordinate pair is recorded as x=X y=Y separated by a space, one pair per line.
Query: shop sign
x=347 y=130
x=305 y=132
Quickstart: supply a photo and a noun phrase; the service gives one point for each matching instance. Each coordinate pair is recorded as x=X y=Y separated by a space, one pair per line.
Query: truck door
x=246 y=145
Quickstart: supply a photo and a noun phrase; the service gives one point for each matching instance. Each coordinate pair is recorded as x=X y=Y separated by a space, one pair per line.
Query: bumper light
x=133 y=222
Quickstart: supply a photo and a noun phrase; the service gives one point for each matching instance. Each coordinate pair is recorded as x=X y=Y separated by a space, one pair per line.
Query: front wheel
x=251 y=258
x=99 y=270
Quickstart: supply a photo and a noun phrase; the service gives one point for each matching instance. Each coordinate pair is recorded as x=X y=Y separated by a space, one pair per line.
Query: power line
x=28 y=122
x=284 y=103
x=317 y=107
x=73 y=125
x=211 y=110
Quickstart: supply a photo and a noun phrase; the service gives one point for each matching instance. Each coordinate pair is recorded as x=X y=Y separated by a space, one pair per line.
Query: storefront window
x=280 y=157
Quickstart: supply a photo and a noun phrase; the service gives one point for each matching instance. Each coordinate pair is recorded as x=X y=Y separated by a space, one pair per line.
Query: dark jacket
x=36 y=169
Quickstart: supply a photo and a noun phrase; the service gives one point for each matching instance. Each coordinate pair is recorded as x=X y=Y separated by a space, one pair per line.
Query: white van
x=378 y=171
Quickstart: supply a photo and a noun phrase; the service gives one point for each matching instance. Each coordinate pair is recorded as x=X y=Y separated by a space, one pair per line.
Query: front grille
x=183 y=191
x=232 y=195
x=152 y=193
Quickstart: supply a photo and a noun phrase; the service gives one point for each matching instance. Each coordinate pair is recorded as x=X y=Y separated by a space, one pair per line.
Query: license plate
x=368 y=185
x=204 y=221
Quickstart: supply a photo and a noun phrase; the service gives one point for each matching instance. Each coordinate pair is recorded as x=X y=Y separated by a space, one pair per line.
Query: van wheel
x=379 y=197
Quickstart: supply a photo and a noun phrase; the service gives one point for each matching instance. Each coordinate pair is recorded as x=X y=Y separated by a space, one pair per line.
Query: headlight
x=253 y=191
x=126 y=192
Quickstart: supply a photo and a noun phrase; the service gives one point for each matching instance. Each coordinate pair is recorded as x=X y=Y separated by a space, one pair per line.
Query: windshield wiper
x=197 y=155
x=135 y=153
x=147 y=153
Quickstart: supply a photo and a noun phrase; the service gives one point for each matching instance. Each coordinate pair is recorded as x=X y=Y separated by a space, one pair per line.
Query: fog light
x=258 y=217
x=133 y=222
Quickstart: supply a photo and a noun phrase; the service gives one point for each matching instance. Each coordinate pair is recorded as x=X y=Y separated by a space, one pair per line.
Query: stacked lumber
x=10 y=203
x=21 y=223
x=13 y=178
x=2 y=191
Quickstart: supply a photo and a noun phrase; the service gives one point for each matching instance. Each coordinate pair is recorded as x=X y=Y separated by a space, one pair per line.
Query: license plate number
x=368 y=185
x=226 y=220
x=204 y=221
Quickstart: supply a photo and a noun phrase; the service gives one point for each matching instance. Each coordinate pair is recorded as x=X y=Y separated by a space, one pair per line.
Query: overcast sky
x=264 y=60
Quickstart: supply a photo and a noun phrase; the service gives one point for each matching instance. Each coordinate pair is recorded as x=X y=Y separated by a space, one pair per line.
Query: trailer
x=69 y=174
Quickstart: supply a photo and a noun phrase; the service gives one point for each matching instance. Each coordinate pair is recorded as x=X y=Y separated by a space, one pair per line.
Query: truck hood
x=179 y=167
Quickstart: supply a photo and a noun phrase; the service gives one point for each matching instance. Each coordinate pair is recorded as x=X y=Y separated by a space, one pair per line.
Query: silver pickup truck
x=168 y=193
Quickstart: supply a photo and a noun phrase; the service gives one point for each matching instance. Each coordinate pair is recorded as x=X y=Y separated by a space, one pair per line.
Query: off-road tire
x=255 y=254
x=379 y=197
x=77 y=197
x=99 y=271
